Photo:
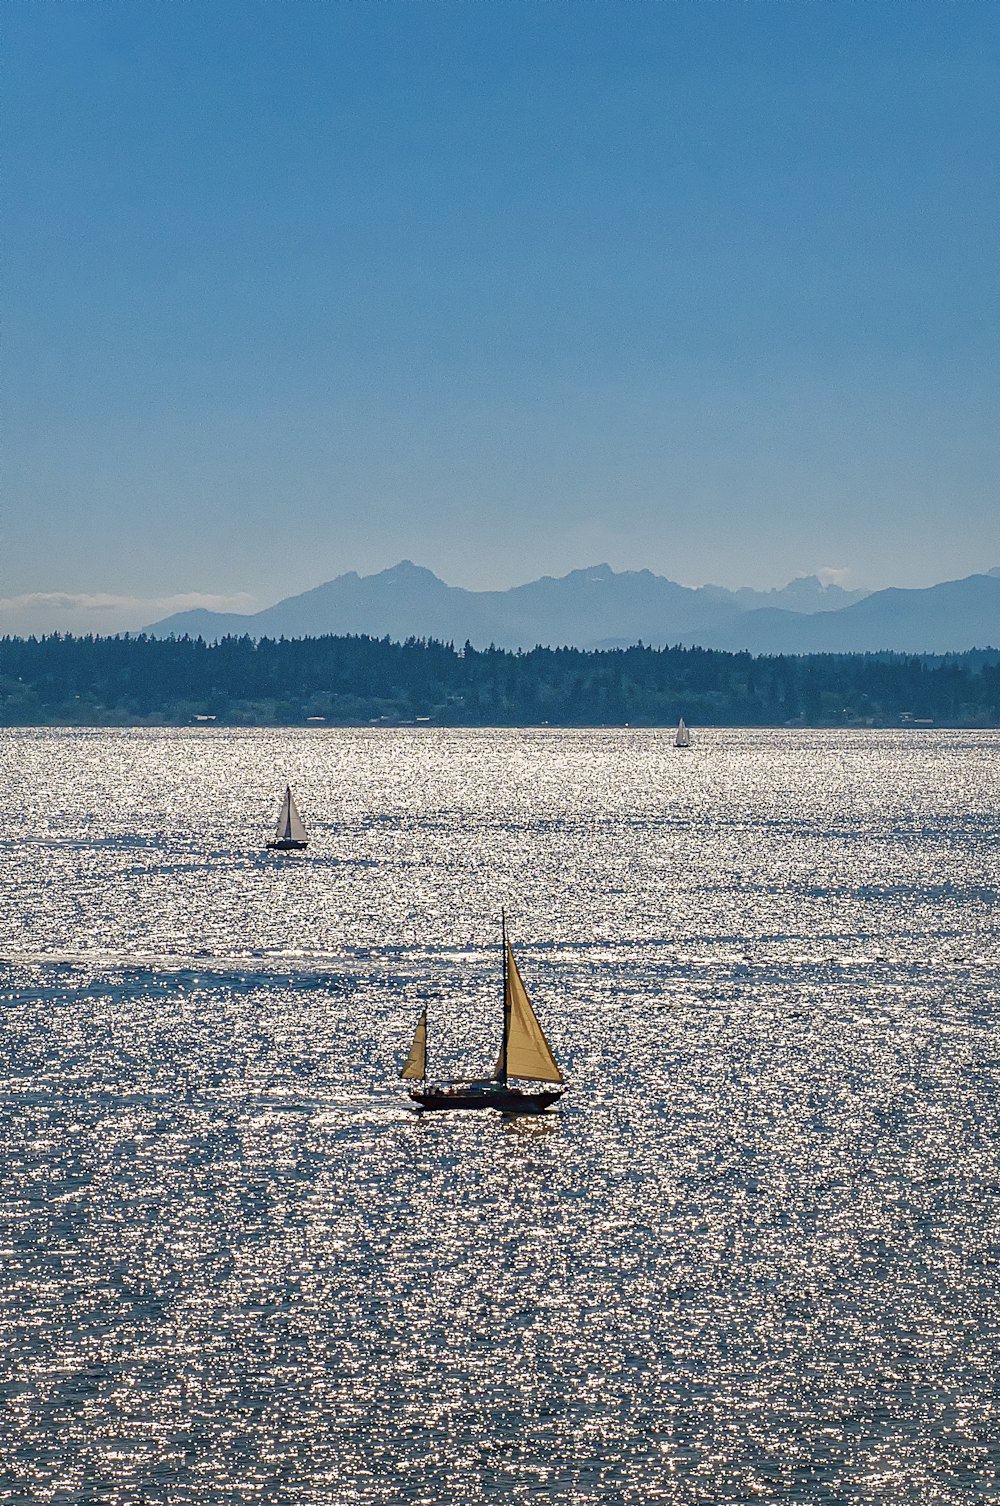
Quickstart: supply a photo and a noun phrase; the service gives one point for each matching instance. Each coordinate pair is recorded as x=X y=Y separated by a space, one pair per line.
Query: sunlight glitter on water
x=753 y=1256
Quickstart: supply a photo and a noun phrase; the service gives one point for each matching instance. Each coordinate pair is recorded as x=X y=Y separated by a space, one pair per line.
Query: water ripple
x=753 y=1257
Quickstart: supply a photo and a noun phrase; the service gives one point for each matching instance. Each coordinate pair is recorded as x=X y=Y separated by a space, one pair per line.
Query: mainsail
x=683 y=738
x=415 y=1064
x=525 y=1052
x=290 y=827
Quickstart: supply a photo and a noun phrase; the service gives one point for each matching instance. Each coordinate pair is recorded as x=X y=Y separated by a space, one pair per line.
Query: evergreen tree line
x=137 y=680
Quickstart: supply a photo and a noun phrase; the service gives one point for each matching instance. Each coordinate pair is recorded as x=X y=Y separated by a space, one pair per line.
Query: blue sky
x=297 y=287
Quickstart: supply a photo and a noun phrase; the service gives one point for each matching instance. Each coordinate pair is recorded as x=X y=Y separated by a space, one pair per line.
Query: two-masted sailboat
x=290 y=834
x=524 y=1054
x=683 y=735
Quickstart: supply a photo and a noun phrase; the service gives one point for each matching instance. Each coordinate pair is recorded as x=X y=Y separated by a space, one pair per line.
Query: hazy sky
x=507 y=288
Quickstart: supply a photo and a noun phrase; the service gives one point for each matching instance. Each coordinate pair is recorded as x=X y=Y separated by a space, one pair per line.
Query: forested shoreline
x=126 y=680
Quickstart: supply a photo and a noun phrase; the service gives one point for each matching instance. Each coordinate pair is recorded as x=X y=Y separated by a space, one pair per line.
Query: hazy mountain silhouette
x=943 y=619
x=581 y=608
x=598 y=607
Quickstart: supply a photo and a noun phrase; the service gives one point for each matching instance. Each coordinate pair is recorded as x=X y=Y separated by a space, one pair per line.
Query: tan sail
x=415 y=1064
x=529 y=1054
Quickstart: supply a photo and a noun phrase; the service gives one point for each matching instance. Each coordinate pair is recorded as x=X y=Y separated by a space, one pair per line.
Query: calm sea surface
x=753 y=1258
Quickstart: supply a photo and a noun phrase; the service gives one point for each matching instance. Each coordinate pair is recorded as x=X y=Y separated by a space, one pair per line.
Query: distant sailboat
x=683 y=738
x=524 y=1053
x=290 y=834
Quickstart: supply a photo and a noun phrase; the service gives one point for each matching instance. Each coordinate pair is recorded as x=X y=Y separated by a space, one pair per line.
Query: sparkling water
x=753 y=1257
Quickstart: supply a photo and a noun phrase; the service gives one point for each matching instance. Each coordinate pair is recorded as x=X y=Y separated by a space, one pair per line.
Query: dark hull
x=505 y=1100
x=286 y=845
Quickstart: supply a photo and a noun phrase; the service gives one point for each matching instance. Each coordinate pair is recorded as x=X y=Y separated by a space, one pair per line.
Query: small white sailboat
x=683 y=736
x=290 y=834
x=524 y=1053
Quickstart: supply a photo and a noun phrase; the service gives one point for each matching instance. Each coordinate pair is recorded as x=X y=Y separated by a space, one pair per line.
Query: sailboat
x=290 y=834
x=524 y=1054
x=683 y=737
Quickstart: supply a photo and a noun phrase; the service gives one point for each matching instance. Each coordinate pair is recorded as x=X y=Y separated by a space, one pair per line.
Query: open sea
x=754 y=1256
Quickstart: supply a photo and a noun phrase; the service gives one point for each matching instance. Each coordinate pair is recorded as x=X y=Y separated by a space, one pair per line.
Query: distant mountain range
x=601 y=608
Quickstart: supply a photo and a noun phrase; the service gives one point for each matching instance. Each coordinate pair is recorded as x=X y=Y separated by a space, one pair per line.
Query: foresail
x=282 y=829
x=415 y=1064
x=529 y=1054
x=296 y=831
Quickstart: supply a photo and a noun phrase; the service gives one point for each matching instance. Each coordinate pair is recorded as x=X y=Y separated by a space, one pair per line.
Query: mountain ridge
x=598 y=607
x=950 y=617
x=409 y=600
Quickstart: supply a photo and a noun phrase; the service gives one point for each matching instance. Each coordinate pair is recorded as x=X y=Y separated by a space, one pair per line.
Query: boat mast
x=502 y=1073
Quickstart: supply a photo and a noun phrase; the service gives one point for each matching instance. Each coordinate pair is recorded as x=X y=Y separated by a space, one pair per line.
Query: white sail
x=683 y=738
x=290 y=827
x=296 y=830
